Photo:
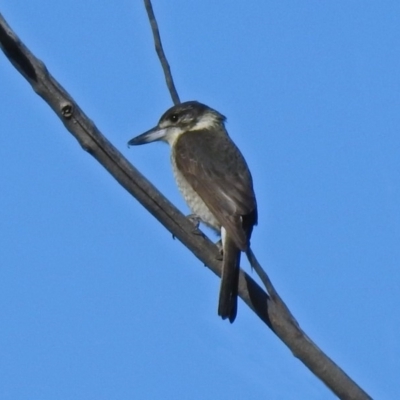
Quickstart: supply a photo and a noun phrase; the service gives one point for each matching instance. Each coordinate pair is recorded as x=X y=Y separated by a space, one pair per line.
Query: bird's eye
x=174 y=118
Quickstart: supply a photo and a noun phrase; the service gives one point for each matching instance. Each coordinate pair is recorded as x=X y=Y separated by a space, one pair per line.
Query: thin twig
x=262 y=274
x=91 y=139
x=160 y=52
x=270 y=288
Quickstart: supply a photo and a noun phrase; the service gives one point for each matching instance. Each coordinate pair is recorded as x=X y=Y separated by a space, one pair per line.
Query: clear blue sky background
x=96 y=299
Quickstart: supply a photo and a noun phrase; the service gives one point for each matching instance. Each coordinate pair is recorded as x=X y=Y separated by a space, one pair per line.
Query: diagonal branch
x=92 y=141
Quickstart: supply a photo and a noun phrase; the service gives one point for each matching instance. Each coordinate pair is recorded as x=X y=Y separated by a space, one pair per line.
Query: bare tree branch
x=90 y=138
x=160 y=52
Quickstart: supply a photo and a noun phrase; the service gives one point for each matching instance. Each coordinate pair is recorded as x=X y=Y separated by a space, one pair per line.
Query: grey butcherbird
x=215 y=181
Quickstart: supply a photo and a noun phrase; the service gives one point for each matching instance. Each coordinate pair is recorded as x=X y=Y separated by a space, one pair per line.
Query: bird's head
x=184 y=117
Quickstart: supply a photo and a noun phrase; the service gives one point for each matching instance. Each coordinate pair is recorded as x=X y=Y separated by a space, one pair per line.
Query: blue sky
x=96 y=299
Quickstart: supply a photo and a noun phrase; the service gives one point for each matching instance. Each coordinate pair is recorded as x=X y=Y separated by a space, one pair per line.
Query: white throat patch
x=207 y=121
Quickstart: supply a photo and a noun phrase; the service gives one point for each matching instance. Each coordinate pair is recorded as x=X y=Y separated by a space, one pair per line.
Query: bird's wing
x=217 y=171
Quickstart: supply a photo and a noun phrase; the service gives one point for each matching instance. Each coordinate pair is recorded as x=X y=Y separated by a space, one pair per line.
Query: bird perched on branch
x=215 y=181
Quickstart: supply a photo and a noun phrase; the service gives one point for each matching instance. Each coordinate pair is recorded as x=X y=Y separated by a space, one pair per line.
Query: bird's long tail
x=227 y=307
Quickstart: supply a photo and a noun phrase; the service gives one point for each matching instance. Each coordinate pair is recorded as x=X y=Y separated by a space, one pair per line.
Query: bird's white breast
x=193 y=200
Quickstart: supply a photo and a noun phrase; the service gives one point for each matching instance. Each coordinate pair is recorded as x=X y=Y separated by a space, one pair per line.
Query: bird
x=215 y=181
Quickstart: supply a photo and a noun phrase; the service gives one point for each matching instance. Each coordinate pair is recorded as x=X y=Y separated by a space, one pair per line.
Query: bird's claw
x=195 y=220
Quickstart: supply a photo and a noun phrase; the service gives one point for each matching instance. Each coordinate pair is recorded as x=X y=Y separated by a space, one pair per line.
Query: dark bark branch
x=160 y=52
x=90 y=138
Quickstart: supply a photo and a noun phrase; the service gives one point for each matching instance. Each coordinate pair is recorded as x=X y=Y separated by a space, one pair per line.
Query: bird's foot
x=195 y=220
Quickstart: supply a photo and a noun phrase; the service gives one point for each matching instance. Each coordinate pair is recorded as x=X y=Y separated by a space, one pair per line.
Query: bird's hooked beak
x=151 y=135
